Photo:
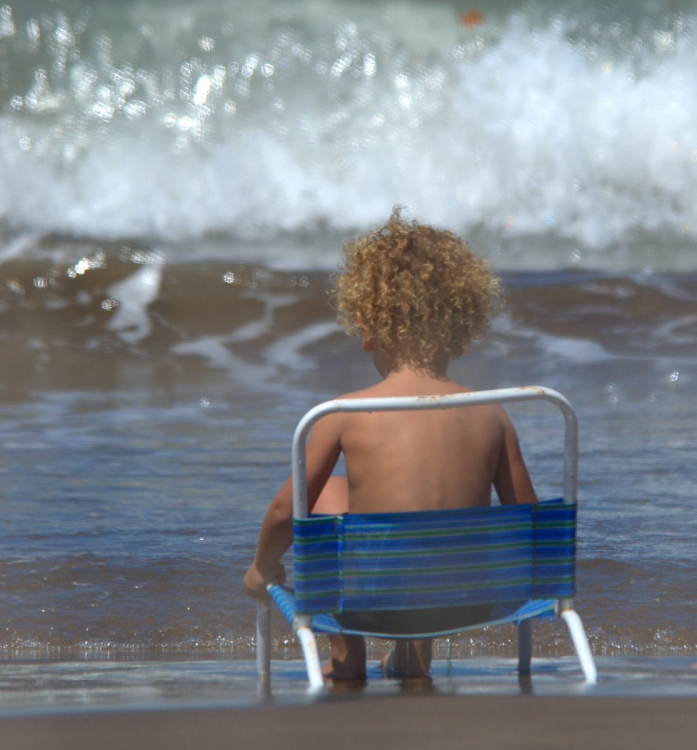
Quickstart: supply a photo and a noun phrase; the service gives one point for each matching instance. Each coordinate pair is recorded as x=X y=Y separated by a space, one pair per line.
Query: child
x=416 y=296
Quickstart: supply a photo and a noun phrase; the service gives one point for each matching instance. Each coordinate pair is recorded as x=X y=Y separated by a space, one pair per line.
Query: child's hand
x=255 y=583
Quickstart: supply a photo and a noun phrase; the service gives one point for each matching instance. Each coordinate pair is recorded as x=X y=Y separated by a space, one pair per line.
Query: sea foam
x=249 y=123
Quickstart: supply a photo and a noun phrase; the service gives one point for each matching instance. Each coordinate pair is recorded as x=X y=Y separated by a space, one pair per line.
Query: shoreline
x=487 y=723
x=50 y=692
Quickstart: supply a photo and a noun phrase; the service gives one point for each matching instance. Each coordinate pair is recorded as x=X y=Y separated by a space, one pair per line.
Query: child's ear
x=367 y=346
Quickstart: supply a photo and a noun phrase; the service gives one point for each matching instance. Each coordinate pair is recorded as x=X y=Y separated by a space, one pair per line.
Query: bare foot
x=409 y=659
x=342 y=673
x=347 y=661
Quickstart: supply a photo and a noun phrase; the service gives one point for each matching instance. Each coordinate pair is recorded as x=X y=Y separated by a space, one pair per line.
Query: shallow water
x=45 y=687
x=136 y=468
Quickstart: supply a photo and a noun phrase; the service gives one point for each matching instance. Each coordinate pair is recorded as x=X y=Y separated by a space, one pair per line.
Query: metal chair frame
x=303 y=623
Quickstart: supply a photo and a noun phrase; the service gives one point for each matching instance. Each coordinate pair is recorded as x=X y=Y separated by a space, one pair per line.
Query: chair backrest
x=435 y=558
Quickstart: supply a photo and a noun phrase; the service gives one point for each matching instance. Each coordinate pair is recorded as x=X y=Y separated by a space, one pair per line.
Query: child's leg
x=409 y=659
x=347 y=661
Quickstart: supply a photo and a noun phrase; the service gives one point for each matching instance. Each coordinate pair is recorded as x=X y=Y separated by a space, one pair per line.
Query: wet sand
x=402 y=722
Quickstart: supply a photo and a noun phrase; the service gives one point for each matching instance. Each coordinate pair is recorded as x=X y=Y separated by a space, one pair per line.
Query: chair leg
x=310 y=652
x=524 y=646
x=263 y=641
x=578 y=636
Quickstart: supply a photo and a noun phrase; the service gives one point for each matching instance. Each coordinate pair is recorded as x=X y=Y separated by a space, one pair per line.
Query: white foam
x=19 y=246
x=131 y=320
x=283 y=356
x=565 y=348
x=517 y=130
x=286 y=352
x=214 y=350
x=573 y=349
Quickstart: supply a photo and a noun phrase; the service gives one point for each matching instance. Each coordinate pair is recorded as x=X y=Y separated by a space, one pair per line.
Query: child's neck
x=408 y=381
x=401 y=372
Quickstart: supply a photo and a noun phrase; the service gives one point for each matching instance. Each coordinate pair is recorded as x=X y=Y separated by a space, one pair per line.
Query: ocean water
x=176 y=181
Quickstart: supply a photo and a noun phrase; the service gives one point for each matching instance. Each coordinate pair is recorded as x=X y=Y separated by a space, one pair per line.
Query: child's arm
x=511 y=479
x=276 y=535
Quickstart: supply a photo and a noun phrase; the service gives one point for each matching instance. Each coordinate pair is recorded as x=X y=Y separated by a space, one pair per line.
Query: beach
x=400 y=723
x=479 y=703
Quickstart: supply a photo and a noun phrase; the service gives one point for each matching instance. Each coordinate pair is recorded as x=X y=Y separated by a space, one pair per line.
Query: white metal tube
x=411 y=403
x=310 y=652
x=578 y=636
x=264 y=639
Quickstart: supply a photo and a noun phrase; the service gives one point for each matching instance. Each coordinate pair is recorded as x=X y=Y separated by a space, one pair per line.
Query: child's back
x=423 y=460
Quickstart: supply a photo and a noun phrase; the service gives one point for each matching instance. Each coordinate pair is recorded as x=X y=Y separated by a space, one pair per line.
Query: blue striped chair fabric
x=520 y=558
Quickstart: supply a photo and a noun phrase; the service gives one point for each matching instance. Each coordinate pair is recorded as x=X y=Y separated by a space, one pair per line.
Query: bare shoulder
x=491 y=413
x=489 y=421
x=498 y=421
x=499 y=413
x=372 y=391
x=331 y=426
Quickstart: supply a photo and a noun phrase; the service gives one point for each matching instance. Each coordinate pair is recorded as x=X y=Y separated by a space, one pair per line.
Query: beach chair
x=519 y=559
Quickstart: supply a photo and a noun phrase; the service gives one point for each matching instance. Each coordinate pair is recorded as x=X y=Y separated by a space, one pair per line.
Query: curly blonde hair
x=414 y=291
